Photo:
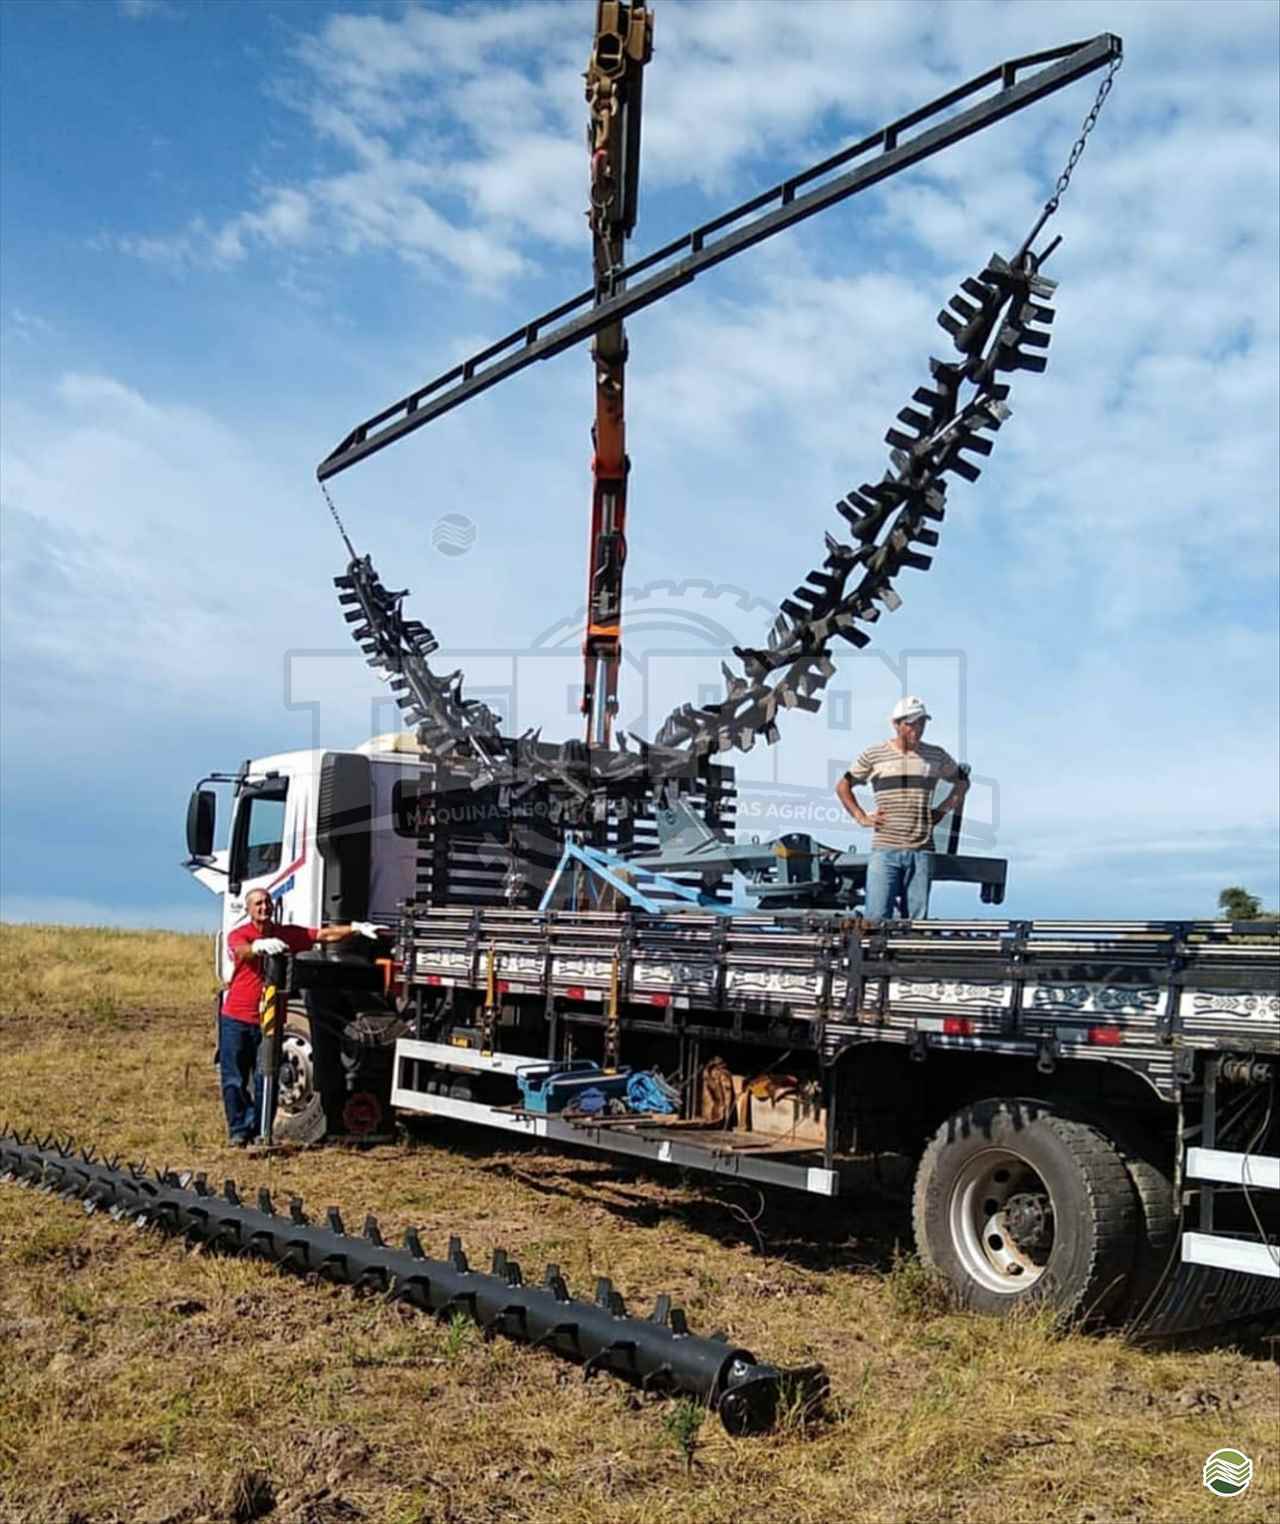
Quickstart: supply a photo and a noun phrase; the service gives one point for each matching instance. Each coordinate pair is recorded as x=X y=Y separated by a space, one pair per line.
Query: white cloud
x=29 y=327
x=282 y=220
x=118 y=568
x=462 y=129
x=465 y=127
x=1143 y=468
x=454 y=155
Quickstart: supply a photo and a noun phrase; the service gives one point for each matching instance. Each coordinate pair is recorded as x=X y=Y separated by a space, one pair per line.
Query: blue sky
x=230 y=231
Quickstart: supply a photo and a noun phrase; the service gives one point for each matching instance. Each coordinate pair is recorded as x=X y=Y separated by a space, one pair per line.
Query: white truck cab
x=330 y=835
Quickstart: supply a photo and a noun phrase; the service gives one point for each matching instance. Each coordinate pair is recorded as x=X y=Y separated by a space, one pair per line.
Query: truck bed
x=1129 y=992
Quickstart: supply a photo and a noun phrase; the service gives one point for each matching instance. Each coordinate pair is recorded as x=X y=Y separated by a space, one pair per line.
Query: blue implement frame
x=610 y=868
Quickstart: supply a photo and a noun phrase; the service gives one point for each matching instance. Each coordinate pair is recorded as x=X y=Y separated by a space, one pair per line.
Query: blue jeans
x=238 y=1045
x=898 y=885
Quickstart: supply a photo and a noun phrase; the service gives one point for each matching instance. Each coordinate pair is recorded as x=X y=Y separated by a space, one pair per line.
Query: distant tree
x=1238 y=904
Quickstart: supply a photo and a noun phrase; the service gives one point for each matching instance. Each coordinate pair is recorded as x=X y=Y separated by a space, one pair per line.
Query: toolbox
x=550 y=1087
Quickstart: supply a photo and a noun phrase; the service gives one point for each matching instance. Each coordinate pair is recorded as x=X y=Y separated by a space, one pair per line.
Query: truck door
x=257 y=852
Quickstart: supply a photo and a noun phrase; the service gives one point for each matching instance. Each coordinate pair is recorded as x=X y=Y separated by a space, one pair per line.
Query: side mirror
x=201 y=812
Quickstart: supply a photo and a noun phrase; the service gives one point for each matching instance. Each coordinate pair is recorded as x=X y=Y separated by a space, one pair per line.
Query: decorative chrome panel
x=568 y=970
x=772 y=981
x=433 y=959
x=1100 y=999
x=695 y=978
x=1258 y=1007
x=519 y=963
x=932 y=993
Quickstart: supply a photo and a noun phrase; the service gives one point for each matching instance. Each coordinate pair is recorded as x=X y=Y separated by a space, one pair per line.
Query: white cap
x=910 y=708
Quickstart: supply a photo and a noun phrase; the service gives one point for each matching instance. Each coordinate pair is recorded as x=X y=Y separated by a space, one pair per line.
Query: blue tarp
x=650 y=1092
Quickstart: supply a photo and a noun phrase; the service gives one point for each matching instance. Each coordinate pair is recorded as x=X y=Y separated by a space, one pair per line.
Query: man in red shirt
x=239 y=1029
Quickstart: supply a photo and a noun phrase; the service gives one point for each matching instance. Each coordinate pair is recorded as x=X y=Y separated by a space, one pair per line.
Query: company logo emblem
x=1228 y=1472
x=453 y=534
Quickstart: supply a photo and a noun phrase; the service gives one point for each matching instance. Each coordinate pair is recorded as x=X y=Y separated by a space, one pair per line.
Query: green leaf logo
x=1228 y=1472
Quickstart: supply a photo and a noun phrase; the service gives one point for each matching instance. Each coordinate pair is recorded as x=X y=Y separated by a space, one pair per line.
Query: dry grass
x=101 y=973
x=140 y=1382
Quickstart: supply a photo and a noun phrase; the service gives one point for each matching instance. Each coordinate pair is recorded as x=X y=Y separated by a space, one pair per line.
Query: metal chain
x=1064 y=179
x=342 y=530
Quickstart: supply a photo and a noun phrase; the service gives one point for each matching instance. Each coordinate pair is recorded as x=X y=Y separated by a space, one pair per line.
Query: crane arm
x=622 y=46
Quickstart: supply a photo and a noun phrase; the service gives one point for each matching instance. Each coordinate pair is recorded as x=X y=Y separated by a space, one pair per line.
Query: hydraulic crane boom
x=623 y=45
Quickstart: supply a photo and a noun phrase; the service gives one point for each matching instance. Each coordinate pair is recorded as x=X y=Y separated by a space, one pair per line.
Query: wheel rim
x=297 y=1083
x=1001 y=1221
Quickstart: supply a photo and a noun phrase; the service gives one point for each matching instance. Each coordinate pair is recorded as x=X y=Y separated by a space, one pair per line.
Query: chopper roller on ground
x=657 y=1353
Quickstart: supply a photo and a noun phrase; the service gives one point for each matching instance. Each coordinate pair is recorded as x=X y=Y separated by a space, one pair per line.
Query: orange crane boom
x=622 y=46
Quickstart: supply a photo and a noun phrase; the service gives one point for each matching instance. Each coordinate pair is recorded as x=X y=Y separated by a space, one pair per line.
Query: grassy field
x=141 y=1383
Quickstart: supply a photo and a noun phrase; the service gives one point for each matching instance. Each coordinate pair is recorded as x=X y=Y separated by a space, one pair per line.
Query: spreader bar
x=678 y=263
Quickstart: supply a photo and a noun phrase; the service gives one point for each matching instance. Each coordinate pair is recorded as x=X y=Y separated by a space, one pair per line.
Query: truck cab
x=330 y=835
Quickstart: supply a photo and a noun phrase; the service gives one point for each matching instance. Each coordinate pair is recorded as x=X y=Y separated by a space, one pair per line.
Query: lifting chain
x=1077 y=149
x=342 y=528
x=1073 y=158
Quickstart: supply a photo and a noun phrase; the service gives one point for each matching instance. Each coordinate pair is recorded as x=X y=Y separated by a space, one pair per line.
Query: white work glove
x=365 y=929
x=270 y=946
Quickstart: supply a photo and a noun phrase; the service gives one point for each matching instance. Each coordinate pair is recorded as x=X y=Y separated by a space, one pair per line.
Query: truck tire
x=1016 y=1204
x=300 y=1115
x=1159 y=1229
x=1148 y=1158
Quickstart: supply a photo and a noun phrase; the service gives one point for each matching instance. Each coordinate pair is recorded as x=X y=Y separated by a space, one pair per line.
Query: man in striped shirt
x=903 y=773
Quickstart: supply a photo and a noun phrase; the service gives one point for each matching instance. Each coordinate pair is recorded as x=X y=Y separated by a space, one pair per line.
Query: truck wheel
x=1016 y=1204
x=299 y=1114
x=1159 y=1228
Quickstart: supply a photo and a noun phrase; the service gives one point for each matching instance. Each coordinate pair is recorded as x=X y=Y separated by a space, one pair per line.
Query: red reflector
x=1109 y=1037
x=503 y=986
x=957 y=1026
x=434 y=979
x=662 y=1000
x=576 y=992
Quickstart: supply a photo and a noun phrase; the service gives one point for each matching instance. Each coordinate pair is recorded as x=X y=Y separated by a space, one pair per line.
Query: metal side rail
x=1228 y=1251
x=657 y=1353
x=1138 y=992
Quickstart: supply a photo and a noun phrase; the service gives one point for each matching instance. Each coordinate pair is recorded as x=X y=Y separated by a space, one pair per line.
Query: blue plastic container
x=549 y=1088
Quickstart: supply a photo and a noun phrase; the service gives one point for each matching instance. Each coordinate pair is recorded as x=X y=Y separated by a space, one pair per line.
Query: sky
x=230 y=231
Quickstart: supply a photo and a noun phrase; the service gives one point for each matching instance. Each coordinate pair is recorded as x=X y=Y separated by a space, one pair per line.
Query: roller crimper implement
x=998 y=322
x=657 y=1353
